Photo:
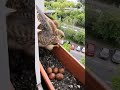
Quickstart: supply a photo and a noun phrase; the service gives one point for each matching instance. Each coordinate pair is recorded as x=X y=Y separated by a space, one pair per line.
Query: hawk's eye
x=61 y=36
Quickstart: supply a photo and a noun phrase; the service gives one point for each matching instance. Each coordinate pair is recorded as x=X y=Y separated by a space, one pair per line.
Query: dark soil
x=69 y=82
x=22 y=70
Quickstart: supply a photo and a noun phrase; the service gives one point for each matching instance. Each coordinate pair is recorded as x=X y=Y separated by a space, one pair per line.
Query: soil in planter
x=69 y=82
x=22 y=70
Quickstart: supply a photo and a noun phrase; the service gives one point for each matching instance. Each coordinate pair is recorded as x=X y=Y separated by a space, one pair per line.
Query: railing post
x=40 y=4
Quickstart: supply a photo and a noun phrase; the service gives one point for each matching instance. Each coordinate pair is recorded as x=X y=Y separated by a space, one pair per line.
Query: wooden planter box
x=78 y=70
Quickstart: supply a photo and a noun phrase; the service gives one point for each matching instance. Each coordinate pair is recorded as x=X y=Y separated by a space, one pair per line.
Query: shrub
x=69 y=34
x=83 y=60
x=67 y=46
x=116 y=80
x=116 y=83
x=80 y=38
x=68 y=20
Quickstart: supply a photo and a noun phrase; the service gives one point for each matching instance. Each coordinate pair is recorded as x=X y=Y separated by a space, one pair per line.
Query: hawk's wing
x=44 y=23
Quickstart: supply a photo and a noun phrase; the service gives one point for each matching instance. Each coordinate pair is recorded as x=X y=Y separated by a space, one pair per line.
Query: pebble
x=78 y=86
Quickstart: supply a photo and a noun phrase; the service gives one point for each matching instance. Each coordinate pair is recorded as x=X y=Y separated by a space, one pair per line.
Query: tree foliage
x=76 y=18
x=78 y=37
x=65 y=14
x=113 y=2
x=104 y=25
x=78 y=5
x=108 y=28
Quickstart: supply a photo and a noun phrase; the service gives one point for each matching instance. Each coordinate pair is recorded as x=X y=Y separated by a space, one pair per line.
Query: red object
x=72 y=47
x=79 y=71
x=46 y=78
x=90 y=49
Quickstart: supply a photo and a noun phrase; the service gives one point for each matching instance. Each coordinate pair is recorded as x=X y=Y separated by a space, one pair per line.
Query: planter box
x=77 y=69
x=46 y=78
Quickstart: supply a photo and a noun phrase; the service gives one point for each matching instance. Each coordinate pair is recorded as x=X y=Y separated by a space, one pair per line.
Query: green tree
x=113 y=2
x=61 y=1
x=78 y=5
x=68 y=20
x=69 y=34
x=80 y=38
x=55 y=5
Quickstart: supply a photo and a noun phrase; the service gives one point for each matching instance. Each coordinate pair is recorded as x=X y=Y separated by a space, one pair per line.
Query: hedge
x=76 y=36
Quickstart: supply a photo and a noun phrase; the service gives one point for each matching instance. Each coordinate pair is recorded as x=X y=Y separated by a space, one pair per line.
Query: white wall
x=40 y=4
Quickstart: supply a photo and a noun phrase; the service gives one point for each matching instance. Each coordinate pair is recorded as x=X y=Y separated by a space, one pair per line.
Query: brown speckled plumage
x=47 y=36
